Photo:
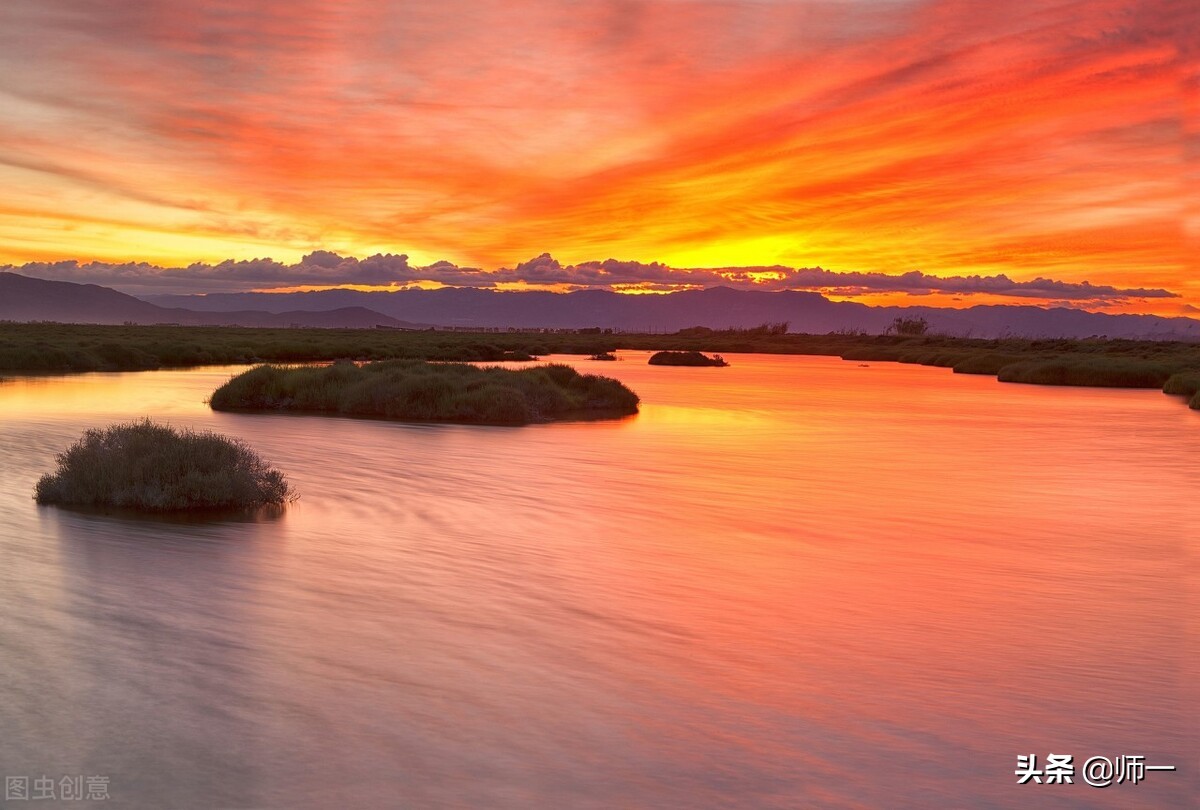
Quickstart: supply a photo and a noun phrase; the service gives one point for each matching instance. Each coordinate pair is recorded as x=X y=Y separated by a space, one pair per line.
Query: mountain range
x=716 y=307
x=28 y=299
x=31 y=299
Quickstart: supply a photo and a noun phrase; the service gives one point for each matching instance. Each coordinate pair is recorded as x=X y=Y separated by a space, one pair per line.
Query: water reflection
x=790 y=582
x=134 y=522
x=148 y=672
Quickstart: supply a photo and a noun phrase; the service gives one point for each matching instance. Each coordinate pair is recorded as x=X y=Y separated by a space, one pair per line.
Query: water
x=793 y=582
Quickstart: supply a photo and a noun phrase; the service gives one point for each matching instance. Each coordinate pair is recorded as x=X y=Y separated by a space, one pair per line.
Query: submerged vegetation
x=432 y=392
x=668 y=358
x=155 y=468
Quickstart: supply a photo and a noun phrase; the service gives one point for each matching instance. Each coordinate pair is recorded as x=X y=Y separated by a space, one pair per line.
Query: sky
x=938 y=152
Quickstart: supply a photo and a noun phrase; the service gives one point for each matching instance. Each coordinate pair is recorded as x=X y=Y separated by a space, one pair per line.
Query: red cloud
x=1037 y=137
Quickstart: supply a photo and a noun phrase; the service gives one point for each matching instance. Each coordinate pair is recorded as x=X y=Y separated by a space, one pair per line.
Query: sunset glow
x=1037 y=139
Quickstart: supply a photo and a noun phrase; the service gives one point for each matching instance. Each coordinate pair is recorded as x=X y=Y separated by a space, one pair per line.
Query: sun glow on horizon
x=953 y=137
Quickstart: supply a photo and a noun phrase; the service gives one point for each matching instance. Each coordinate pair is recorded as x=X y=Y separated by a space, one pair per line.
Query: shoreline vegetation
x=415 y=390
x=1172 y=366
x=670 y=358
x=146 y=467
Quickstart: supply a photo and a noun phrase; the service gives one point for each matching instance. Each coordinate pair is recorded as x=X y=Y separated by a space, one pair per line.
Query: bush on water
x=149 y=467
x=669 y=358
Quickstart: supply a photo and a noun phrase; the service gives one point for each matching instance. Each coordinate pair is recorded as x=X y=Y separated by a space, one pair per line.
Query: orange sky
x=1031 y=138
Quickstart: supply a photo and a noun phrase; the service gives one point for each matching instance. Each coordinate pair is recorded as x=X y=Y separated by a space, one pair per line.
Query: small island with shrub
x=686 y=359
x=607 y=356
x=154 y=468
x=419 y=391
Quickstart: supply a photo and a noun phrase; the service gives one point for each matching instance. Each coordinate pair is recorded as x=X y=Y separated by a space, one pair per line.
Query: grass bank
x=57 y=348
x=155 y=468
x=429 y=392
x=1185 y=384
x=1106 y=372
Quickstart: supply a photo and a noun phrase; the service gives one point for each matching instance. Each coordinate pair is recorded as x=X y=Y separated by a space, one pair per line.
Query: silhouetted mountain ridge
x=716 y=307
x=30 y=299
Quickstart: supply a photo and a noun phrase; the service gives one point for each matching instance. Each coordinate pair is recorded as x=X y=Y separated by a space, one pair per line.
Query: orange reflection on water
x=791 y=582
x=175 y=393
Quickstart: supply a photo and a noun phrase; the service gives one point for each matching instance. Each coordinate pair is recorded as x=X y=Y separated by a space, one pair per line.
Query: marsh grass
x=988 y=363
x=1186 y=384
x=1108 y=372
x=944 y=358
x=154 y=468
x=59 y=348
x=686 y=358
x=429 y=392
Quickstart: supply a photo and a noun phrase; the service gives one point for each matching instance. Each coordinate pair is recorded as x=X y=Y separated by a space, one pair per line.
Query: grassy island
x=413 y=390
x=607 y=356
x=155 y=468
x=669 y=358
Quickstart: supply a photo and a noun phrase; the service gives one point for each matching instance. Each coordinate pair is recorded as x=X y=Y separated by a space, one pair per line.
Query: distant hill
x=718 y=307
x=31 y=299
x=341 y=318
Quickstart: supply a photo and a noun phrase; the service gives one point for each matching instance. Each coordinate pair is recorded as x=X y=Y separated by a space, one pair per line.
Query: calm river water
x=793 y=582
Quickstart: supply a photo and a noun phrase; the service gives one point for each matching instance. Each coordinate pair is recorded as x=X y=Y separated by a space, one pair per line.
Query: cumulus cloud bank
x=324 y=268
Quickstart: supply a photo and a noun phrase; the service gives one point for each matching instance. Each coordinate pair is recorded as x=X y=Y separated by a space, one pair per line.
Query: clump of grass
x=155 y=468
x=1184 y=383
x=669 y=358
x=479 y=352
x=1187 y=384
x=429 y=392
x=1109 y=372
x=935 y=357
x=876 y=354
x=609 y=356
x=989 y=363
